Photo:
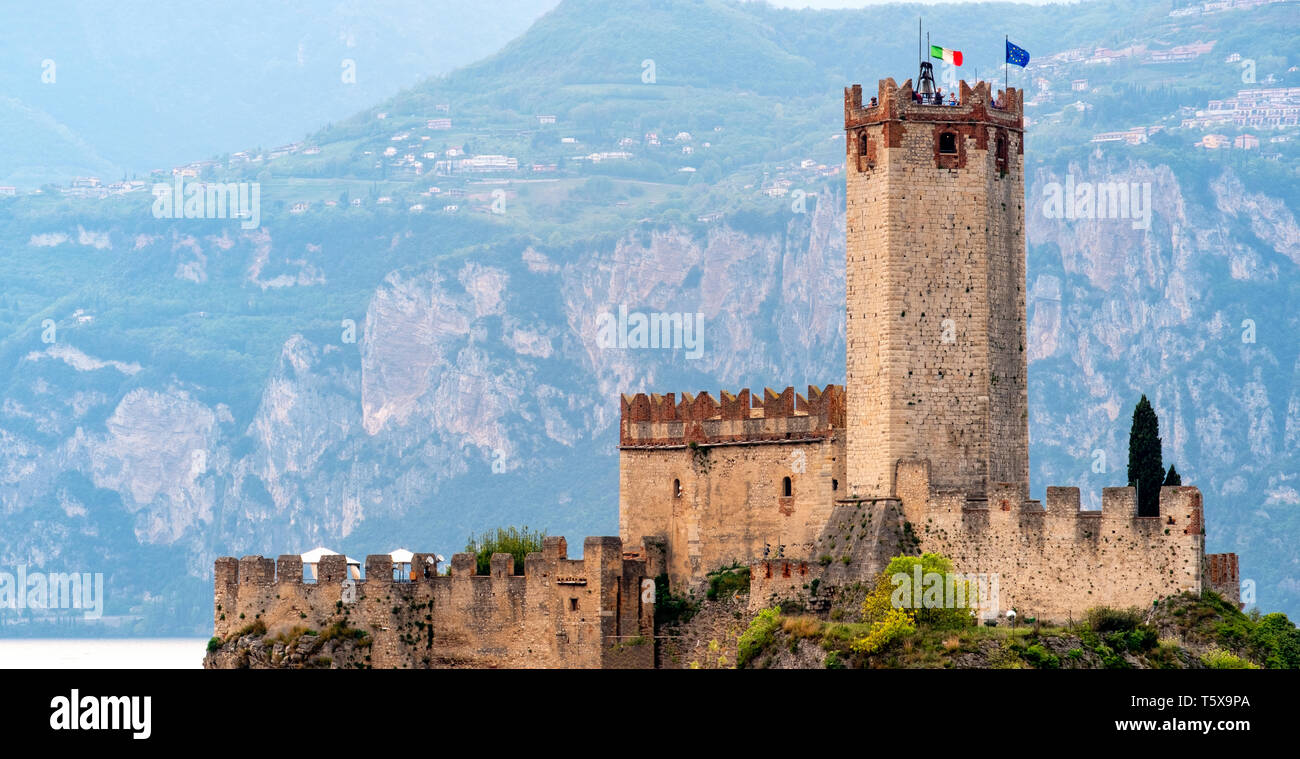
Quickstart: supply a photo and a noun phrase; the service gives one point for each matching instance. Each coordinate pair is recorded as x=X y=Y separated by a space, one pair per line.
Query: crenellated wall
x=660 y=420
x=593 y=612
x=1056 y=562
x=710 y=478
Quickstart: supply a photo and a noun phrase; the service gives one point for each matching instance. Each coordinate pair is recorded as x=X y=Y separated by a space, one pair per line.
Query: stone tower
x=936 y=289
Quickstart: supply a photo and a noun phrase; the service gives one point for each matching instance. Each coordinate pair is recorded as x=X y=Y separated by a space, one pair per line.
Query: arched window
x=677 y=488
x=948 y=143
x=787 y=487
x=863 y=143
x=1002 y=155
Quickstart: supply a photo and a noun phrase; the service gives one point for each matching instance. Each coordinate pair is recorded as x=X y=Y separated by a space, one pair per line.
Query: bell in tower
x=926 y=89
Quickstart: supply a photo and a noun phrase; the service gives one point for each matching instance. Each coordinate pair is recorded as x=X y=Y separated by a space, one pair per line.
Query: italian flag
x=948 y=56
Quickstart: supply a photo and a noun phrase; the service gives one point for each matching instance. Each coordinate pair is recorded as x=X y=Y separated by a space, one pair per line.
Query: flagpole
x=1006 y=67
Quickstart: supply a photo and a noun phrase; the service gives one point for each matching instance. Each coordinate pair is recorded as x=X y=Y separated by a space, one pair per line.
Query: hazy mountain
x=145 y=87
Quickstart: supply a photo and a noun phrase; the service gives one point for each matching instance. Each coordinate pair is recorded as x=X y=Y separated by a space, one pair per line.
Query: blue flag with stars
x=1017 y=55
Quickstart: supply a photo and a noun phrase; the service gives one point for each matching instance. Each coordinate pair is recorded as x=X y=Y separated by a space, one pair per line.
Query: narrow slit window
x=787 y=487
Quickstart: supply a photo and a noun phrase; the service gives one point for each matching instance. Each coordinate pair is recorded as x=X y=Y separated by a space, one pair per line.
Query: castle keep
x=925 y=448
x=935 y=320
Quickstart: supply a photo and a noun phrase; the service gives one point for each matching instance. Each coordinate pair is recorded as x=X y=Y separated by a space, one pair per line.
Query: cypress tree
x=1146 y=471
x=1173 y=478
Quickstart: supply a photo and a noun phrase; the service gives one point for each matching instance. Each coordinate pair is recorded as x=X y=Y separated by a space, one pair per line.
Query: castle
x=924 y=448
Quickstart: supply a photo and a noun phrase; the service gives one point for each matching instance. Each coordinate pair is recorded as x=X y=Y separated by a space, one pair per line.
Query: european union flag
x=1017 y=55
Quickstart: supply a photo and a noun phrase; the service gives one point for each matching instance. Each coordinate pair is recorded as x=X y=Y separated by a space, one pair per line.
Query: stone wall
x=593 y=612
x=936 y=364
x=1055 y=563
x=712 y=478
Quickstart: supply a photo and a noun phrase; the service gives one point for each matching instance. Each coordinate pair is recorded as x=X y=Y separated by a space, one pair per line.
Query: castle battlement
x=560 y=612
x=663 y=421
x=896 y=103
x=1180 y=507
x=540 y=565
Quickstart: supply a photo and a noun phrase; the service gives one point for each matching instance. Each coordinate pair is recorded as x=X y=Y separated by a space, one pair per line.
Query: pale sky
x=864 y=3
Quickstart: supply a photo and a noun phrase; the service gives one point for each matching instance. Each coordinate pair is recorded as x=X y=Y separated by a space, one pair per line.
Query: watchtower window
x=787 y=487
x=1002 y=155
x=948 y=143
x=835 y=484
x=677 y=488
x=863 y=142
x=573 y=604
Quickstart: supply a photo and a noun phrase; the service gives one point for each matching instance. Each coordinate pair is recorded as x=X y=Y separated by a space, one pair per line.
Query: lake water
x=98 y=653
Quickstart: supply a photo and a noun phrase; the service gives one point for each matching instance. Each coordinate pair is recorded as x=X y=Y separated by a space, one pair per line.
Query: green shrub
x=727 y=582
x=1040 y=657
x=1104 y=619
x=894 y=625
x=1112 y=659
x=1277 y=641
x=213 y=644
x=1220 y=659
x=758 y=637
x=671 y=608
x=1143 y=638
x=889 y=594
x=516 y=541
